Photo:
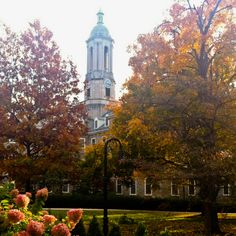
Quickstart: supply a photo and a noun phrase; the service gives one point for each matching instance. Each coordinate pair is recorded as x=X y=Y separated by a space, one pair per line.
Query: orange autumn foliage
x=178 y=115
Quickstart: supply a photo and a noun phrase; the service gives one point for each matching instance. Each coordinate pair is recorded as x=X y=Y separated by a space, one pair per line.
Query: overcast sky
x=71 y=22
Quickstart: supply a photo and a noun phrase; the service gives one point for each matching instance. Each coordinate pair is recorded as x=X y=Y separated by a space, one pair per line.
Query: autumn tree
x=41 y=117
x=178 y=115
x=92 y=166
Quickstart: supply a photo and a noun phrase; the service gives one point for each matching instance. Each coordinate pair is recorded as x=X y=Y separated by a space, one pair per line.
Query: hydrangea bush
x=21 y=216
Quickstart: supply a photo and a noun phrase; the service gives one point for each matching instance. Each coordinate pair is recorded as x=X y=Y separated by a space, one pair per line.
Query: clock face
x=107 y=83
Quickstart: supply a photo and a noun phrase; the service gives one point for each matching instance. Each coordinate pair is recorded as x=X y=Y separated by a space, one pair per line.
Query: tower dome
x=100 y=30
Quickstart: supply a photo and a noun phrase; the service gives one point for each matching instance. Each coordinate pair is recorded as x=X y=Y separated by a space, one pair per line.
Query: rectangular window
x=108 y=92
x=88 y=93
x=191 y=187
x=95 y=124
x=106 y=121
x=82 y=143
x=147 y=186
x=119 y=187
x=226 y=190
x=174 y=188
x=93 y=141
x=66 y=188
x=133 y=187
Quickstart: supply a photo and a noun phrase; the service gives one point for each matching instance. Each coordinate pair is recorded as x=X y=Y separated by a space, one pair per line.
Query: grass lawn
x=178 y=223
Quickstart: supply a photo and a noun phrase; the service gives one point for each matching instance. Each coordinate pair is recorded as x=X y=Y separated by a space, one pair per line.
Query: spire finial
x=100 y=17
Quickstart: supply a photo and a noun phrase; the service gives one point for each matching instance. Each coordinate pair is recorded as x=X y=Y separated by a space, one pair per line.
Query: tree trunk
x=28 y=185
x=211 y=219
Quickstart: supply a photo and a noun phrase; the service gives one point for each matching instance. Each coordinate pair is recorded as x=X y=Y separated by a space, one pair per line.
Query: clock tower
x=99 y=81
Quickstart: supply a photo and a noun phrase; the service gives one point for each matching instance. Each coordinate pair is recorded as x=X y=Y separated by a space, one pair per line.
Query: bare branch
x=223 y=8
x=212 y=14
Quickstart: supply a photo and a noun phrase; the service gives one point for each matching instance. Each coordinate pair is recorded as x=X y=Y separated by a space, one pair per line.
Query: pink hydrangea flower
x=14 y=192
x=60 y=230
x=35 y=228
x=22 y=200
x=75 y=215
x=49 y=219
x=15 y=216
x=28 y=194
x=10 y=206
x=42 y=194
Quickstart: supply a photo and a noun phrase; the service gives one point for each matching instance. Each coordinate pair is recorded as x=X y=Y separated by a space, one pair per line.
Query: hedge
x=132 y=203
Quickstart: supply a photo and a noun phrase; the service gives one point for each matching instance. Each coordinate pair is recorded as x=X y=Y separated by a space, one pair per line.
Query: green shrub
x=5 y=189
x=94 y=228
x=77 y=200
x=115 y=230
x=79 y=229
x=126 y=220
x=166 y=232
x=141 y=230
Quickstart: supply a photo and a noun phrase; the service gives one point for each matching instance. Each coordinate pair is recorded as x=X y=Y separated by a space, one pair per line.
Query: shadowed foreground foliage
x=175 y=222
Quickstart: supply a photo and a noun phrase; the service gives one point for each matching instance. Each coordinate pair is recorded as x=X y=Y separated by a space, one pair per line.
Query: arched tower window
x=106 y=58
x=91 y=58
x=97 y=56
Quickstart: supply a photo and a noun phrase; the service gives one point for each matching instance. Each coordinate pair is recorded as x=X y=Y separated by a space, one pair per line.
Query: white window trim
x=145 y=193
x=49 y=191
x=84 y=142
x=68 y=188
x=172 y=194
x=92 y=140
x=136 y=185
x=228 y=194
x=95 y=121
x=194 y=186
x=117 y=193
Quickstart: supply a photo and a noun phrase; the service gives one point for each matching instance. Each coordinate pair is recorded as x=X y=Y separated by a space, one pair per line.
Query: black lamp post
x=106 y=181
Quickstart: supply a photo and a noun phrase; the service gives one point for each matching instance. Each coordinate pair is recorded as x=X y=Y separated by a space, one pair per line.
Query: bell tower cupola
x=99 y=52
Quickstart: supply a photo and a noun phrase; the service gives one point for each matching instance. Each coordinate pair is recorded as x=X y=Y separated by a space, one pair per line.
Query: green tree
x=79 y=229
x=115 y=230
x=41 y=117
x=92 y=167
x=141 y=230
x=94 y=228
x=178 y=115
